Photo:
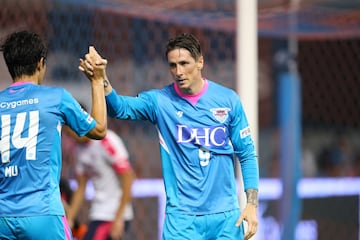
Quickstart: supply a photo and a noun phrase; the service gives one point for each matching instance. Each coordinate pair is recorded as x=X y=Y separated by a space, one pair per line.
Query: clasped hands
x=93 y=65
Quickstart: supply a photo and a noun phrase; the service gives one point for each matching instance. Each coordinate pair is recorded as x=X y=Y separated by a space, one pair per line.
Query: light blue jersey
x=31 y=117
x=197 y=145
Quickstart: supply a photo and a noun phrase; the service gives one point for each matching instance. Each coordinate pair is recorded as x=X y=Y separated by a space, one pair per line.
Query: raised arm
x=97 y=78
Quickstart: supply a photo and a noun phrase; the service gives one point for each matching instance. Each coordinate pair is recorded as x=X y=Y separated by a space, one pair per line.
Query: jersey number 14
x=18 y=141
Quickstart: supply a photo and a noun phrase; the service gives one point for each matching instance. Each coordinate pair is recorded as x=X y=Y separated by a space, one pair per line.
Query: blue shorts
x=211 y=226
x=37 y=227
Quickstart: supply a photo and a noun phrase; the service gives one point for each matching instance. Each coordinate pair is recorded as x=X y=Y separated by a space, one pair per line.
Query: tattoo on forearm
x=106 y=83
x=252 y=196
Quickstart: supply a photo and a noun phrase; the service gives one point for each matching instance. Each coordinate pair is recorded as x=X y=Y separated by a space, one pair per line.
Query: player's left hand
x=249 y=214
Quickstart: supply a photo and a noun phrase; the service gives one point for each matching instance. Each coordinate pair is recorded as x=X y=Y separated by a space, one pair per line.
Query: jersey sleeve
x=141 y=107
x=244 y=147
x=116 y=152
x=76 y=118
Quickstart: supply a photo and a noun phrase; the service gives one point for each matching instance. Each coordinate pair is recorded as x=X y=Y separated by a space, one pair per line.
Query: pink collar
x=20 y=83
x=192 y=98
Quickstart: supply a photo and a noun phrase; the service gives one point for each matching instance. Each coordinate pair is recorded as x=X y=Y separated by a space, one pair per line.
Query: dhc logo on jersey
x=206 y=136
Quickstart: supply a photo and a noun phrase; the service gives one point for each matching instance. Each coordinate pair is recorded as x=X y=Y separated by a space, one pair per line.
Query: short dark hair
x=186 y=41
x=22 y=50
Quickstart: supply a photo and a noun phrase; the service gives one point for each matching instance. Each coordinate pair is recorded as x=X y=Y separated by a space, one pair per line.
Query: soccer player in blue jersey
x=31 y=118
x=202 y=127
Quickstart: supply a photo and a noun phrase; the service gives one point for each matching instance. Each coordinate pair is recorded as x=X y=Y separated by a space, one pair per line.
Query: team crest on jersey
x=221 y=114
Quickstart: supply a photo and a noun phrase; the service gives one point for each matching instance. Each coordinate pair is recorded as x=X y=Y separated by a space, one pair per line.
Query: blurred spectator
x=336 y=160
x=328 y=164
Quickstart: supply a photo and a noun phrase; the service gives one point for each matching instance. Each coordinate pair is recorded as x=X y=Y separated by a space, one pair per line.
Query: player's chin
x=182 y=84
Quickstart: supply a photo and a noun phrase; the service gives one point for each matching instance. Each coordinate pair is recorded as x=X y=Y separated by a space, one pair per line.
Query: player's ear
x=41 y=63
x=200 y=63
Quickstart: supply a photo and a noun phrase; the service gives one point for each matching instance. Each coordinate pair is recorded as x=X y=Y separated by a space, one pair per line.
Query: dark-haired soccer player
x=202 y=126
x=31 y=118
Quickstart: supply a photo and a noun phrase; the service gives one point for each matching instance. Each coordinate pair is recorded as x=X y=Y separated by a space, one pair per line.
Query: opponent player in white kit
x=31 y=118
x=202 y=126
x=106 y=164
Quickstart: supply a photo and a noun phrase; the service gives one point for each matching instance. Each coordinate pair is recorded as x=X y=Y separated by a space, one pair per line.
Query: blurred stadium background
x=132 y=34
